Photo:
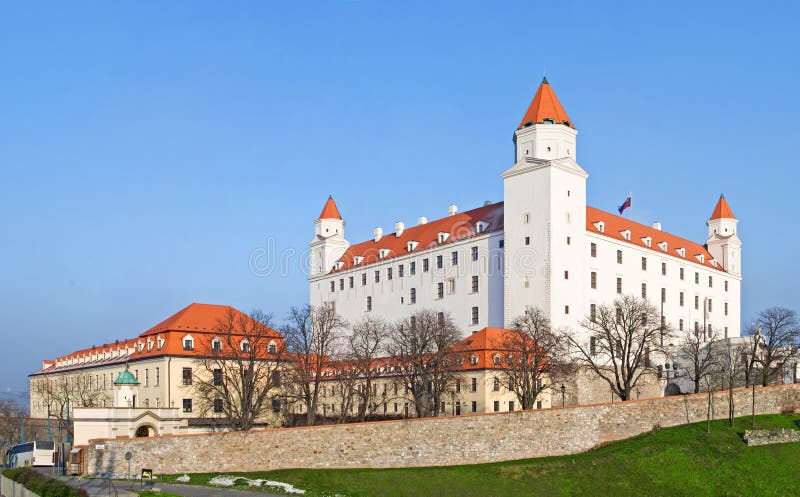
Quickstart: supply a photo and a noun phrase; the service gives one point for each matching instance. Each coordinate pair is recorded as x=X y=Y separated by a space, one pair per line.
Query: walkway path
x=100 y=488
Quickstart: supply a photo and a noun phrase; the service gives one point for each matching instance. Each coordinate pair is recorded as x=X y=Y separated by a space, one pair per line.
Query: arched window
x=272 y=348
x=188 y=342
x=496 y=359
x=473 y=360
x=216 y=344
x=245 y=345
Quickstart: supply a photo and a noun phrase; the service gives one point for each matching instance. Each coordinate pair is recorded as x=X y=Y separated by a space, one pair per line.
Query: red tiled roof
x=545 y=105
x=722 y=210
x=458 y=227
x=330 y=211
x=614 y=226
x=196 y=317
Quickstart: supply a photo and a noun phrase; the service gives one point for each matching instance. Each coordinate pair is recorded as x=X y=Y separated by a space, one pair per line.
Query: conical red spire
x=722 y=210
x=545 y=105
x=330 y=211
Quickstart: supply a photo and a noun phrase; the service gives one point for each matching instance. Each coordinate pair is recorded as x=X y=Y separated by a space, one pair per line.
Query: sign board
x=100 y=447
x=128 y=456
x=147 y=474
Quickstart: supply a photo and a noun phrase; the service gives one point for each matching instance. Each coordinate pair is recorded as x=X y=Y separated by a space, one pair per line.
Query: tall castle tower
x=545 y=216
x=329 y=243
x=723 y=242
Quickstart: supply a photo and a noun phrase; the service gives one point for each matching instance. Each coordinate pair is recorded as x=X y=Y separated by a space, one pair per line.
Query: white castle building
x=542 y=246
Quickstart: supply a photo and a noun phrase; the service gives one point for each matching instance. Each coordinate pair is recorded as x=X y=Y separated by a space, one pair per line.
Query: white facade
x=557 y=253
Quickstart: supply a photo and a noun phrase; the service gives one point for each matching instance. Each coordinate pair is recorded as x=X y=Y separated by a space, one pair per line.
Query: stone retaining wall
x=10 y=488
x=427 y=442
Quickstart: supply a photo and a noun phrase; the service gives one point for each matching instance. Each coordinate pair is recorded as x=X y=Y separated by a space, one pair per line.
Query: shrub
x=42 y=485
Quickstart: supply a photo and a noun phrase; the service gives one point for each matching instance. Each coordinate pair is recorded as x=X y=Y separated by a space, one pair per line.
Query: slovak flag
x=624 y=205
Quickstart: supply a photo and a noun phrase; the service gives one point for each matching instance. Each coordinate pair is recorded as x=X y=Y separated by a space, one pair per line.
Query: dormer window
x=701 y=258
x=601 y=226
x=647 y=241
x=626 y=234
x=663 y=246
x=339 y=265
x=244 y=345
x=681 y=252
x=159 y=342
x=473 y=360
x=411 y=245
x=496 y=359
x=442 y=237
x=383 y=253
x=358 y=260
x=481 y=226
x=713 y=262
x=548 y=120
x=188 y=342
x=216 y=344
x=272 y=348
x=150 y=344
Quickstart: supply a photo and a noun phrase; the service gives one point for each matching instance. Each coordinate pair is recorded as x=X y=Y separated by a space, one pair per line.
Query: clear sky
x=147 y=149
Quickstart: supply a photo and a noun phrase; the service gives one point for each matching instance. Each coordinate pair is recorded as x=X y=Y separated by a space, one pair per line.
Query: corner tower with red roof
x=329 y=243
x=545 y=211
x=723 y=242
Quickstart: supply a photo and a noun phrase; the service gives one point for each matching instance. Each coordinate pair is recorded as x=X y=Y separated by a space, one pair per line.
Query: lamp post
x=563 y=391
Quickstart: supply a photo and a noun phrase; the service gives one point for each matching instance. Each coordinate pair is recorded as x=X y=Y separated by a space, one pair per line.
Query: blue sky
x=148 y=148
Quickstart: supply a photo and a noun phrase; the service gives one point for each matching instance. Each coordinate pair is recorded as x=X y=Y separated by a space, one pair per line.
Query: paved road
x=100 y=488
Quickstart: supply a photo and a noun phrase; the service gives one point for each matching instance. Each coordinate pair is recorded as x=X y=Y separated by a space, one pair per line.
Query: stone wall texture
x=769 y=437
x=467 y=439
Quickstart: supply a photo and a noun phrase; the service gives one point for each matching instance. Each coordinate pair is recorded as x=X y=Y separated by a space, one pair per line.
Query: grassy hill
x=680 y=461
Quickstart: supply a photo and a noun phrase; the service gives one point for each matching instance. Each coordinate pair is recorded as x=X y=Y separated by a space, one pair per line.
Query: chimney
x=487 y=202
x=422 y=220
x=398 y=228
x=657 y=226
x=378 y=234
x=452 y=210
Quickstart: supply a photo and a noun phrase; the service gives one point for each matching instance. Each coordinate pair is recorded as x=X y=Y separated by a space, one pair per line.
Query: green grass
x=673 y=462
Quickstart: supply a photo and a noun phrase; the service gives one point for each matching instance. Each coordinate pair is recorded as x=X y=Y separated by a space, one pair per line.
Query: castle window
x=726 y=286
x=400 y=269
x=566 y=309
x=592 y=345
x=474 y=315
x=726 y=308
x=510 y=405
x=186 y=376
x=412 y=297
x=680 y=324
x=710 y=282
x=474 y=252
x=569 y=241
x=216 y=345
x=696 y=278
x=341 y=283
x=619 y=256
x=644 y=290
x=440 y=290
x=593 y=313
x=439 y=262
x=644 y=263
x=681 y=299
x=619 y=285
x=566 y=275
x=474 y=406
x=369 y=304
x=350 y=282
x=501 y=244
x=454 y=258
x=388 y=273
x=217 y=378
x=425 y=265
x=593 y=280
x=527 y=240
x=377 y=276
x=333 y=285
x=663 y=269
x=474 y=284
x=451 y=286
x=187 y=405
x=218 y=406
x=496 y=383
x=412 y=268
x=593 y=249
x=188 y=342
x=696 y=302
x=364 y=279
x=663 y=295
x=244 y=346
x=681 y=273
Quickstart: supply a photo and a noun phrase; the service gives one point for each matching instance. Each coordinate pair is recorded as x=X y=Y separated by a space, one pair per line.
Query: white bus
x=39 y=453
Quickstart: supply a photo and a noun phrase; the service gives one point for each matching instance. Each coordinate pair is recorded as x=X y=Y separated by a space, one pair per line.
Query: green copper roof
x=126 y=378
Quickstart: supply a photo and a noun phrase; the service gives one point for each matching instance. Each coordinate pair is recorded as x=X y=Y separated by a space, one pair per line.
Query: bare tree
x=535 y=356
x=365 y=345
x=777 y=332
x=422 y=345
x=61 y=393
x=312 y=335
x=239 y=370
x=729 y=368
x=621 y=338
x=697 y=353
x=750 y=351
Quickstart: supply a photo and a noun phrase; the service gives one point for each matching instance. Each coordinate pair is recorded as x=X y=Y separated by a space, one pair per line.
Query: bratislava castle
x=542 y=246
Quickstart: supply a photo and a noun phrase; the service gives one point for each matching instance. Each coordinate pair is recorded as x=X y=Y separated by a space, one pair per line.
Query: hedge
x=42 y=485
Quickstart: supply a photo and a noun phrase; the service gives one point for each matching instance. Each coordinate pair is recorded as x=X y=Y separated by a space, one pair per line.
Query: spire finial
x=544 y=80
